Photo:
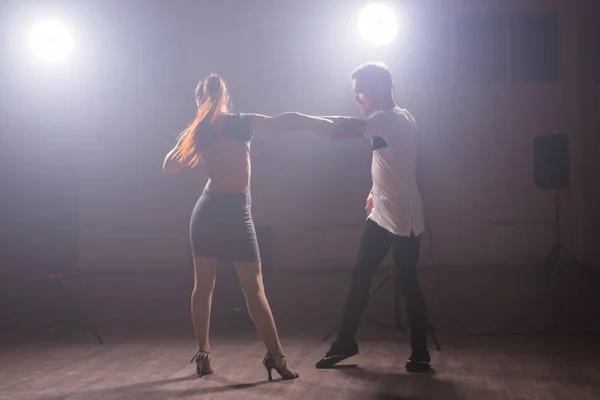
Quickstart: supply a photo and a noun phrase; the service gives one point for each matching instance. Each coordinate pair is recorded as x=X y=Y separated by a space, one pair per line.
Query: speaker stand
x=560 y=255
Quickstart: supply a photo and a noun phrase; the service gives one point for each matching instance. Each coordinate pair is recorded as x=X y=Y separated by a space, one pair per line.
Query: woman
x=221 y=225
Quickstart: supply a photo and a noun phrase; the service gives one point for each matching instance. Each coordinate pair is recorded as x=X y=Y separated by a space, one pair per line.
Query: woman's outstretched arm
x=294 y=121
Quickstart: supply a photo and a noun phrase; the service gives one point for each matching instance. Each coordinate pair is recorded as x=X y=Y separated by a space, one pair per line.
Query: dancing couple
x=221 y=225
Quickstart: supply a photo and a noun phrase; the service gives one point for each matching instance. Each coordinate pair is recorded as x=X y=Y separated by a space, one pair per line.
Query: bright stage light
x=50 y=41
x=378 y=24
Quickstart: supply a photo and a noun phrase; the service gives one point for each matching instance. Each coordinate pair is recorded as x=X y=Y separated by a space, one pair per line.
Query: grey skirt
x=221 y=227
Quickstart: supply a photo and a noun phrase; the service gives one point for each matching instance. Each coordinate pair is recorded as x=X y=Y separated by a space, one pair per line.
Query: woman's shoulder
x=237 y=126
x=228 y=119
x=234 y=115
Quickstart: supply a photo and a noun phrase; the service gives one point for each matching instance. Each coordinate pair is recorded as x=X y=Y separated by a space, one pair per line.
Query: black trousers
x=374 y=246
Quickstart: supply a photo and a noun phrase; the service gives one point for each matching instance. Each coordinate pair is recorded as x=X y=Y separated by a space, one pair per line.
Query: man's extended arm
x=348 y=127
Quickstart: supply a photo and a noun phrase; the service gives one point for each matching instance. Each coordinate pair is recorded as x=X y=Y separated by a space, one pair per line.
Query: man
x=394 y=213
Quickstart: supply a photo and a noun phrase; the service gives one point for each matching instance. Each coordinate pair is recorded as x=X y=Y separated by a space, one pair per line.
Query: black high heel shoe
x=202 y=364
x=270 y=364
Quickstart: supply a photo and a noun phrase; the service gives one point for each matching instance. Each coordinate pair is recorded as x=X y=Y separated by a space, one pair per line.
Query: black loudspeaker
x=551 y=162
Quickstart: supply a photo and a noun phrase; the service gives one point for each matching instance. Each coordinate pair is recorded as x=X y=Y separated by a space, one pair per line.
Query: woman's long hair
x=213 y=100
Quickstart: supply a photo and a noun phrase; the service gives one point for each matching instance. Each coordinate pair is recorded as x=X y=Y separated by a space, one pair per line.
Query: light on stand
x=378 y=24
x=50 y=41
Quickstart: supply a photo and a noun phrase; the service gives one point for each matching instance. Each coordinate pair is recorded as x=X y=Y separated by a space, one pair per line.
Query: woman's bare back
x=227 y=160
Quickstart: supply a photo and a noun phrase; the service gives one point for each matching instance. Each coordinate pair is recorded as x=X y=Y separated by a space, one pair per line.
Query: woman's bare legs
x=250 y=277
x=205 y=270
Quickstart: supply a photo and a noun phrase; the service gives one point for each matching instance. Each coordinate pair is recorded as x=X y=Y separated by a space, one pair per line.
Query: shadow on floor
x=151 y=390
x=403 y=386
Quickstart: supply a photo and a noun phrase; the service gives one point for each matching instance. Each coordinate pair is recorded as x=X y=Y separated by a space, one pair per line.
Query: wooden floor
x=154 y=364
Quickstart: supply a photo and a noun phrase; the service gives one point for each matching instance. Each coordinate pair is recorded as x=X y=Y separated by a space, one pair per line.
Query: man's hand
x=369 y=205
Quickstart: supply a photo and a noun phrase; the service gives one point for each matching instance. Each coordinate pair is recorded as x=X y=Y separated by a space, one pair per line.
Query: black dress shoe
x=337 y=353
x=418 y=362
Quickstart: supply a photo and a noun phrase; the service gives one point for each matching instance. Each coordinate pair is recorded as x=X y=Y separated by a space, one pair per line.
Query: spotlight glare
x=50 y=41
x=378 y=24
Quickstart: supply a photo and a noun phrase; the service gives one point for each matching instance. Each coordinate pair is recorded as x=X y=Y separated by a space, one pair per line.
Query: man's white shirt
x=397 y=203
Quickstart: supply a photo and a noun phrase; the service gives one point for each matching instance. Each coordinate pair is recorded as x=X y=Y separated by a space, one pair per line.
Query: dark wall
x=590 y=29
x=81 y=146
x=97 y=129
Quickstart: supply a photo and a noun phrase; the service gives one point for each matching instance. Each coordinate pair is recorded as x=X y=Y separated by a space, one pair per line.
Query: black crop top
x=237 y=127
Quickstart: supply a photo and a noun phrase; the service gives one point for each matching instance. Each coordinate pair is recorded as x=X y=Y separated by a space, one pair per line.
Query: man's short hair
x=373 y=73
